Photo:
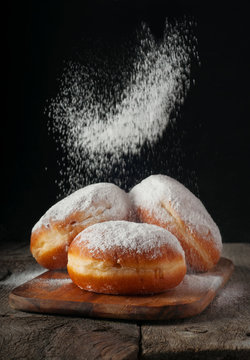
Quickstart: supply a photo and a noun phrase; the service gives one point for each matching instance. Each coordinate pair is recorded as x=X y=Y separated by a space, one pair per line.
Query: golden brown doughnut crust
x=163 y=201
x=54 y=232
x=193 y=244
x=122 y=269
x=49 y=245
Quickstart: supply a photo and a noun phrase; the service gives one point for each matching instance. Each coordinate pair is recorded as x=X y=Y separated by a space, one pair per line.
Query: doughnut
x=54 y=232
x=163 y=201
x=121 y=257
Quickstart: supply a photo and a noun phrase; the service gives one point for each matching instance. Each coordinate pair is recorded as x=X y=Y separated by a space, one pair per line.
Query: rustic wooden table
x=222 y=331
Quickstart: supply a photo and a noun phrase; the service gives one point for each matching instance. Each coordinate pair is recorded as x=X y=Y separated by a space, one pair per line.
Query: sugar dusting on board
x=104 y=117
x=53 y=283
x=128 y=236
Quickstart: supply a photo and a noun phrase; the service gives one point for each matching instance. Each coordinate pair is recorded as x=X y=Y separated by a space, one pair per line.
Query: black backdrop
x=214 y=123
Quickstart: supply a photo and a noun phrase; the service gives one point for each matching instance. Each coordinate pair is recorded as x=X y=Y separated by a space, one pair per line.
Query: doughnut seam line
x=188 y=237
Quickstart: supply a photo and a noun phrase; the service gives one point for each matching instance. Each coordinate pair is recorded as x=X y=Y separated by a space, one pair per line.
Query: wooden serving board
x=53 y=292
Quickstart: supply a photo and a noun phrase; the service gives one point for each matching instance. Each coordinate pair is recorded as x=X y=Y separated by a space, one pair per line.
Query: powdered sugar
x=101 y=128
x=53 y=282
x=19 y=278
x=198 y=283
x=101 y=200
x=31 y=274
x=157 y=190
x=128 y=236
x=234 y=294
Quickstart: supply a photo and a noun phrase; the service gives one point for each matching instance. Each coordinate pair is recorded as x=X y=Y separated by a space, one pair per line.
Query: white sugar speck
x=104 y=115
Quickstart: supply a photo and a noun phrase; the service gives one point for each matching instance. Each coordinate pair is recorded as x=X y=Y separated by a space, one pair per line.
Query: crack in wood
x=139 y=355
x=4 y=274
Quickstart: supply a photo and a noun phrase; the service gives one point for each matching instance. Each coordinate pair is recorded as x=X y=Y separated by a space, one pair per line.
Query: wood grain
x=38 y=336
x=67 y=338
x=222 y=331
x=18 y=268
x=54 y=292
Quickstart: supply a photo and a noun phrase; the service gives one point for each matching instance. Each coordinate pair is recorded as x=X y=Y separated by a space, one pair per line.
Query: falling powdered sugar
x=128 y=236
x=101 y=129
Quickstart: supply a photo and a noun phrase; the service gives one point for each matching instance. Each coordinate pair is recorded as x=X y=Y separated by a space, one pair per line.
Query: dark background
x=212 y=131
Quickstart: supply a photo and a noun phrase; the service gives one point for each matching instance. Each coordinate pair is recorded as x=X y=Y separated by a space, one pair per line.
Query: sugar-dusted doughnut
x=92 y=204
x=121 y=257
x=163 y=201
